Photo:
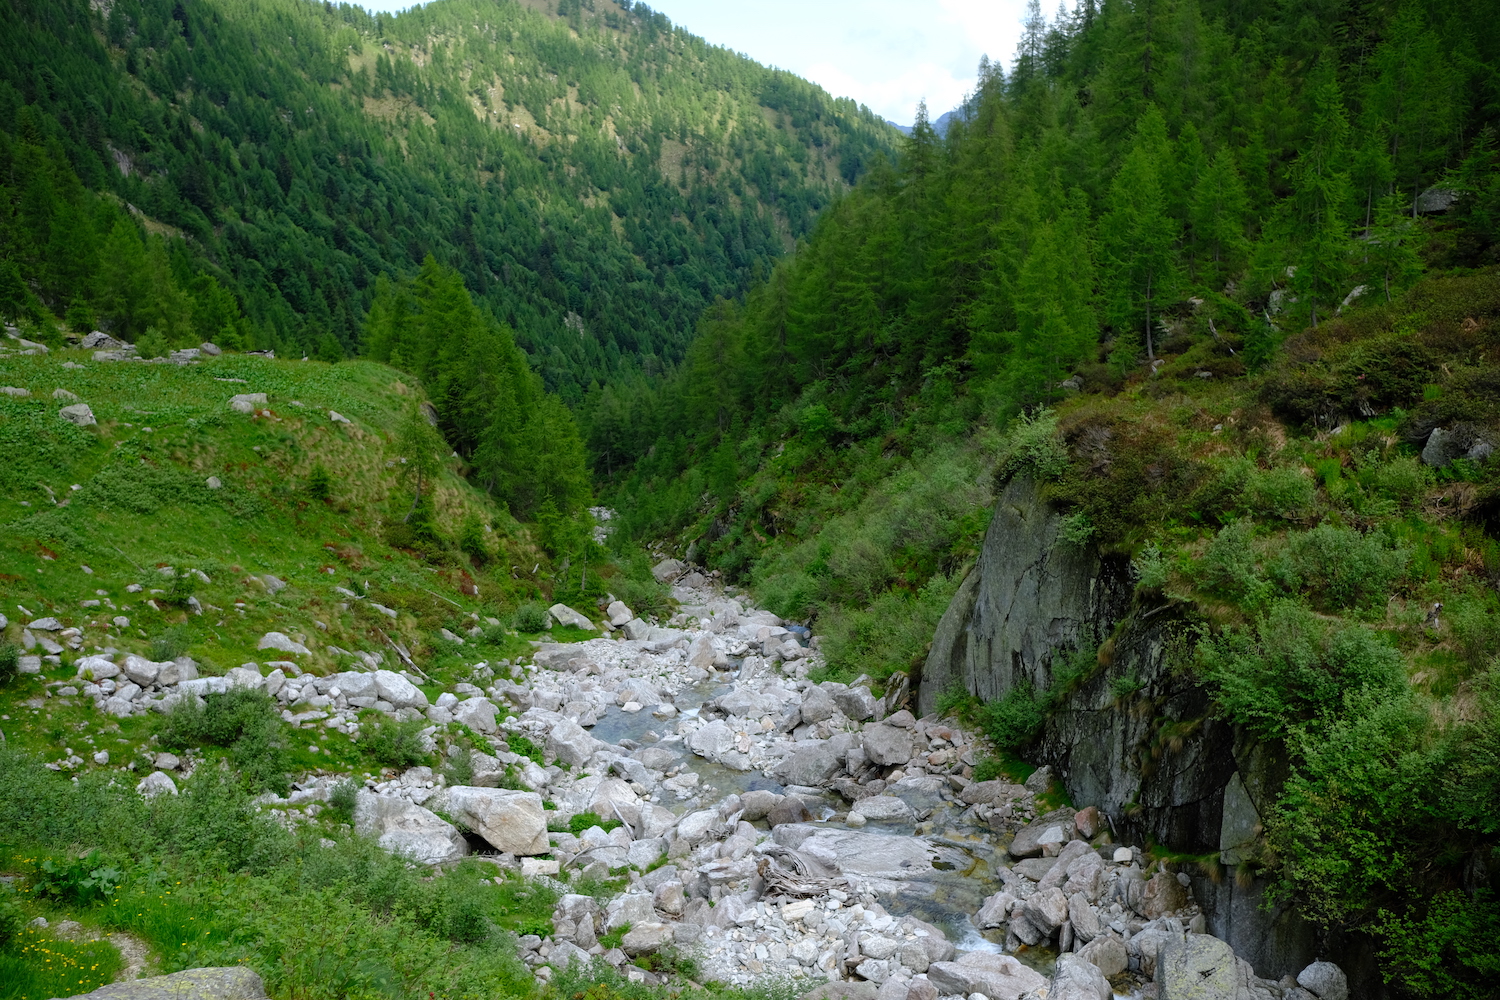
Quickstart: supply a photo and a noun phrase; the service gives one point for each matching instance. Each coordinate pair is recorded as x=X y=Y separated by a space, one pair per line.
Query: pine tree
x=1319 y=209
x=1138 y=239
x=1219 y=210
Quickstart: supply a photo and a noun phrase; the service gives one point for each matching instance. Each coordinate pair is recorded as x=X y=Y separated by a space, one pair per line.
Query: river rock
x=1083 y=917
x=713 y=740
x=1078 y=979
x=1198 y=967
x=884 y=808
x=999 y=977
x=218 y=983
x=788 y=809
x=813 y=765
x=757 y=804
x=1047 y=909
x=511 y=822
x=887 y=745
x=1108 y=955
x=857 y=703
x=568 y=743
x=1325 y=981
x=1028 y=842
x=403 y=827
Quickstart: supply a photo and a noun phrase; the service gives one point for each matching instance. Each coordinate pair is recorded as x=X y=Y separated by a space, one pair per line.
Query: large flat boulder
x=403 y=827
x=511 y=822
x=231 y=983
x=999 y=977
x=1197 y=967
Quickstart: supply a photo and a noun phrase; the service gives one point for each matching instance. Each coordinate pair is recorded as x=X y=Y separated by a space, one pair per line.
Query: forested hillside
x=245 y=171
x=1223 y=280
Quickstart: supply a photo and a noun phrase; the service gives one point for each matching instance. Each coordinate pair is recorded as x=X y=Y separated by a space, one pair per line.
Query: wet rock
x=987 y=792
x=713 y=740
x=1197 y=967
x=789 y=809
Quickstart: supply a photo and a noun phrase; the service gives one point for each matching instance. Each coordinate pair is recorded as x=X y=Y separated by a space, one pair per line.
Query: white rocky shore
x=767 y=824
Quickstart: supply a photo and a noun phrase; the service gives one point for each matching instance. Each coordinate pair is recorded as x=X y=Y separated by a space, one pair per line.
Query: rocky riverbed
x=769 y=825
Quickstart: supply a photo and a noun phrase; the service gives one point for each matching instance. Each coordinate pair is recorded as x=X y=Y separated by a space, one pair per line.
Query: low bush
x=1293 y=667
x=10 y=661
x=531 y=618
x=1341 y=568
x=393 y=744
x=243 y=722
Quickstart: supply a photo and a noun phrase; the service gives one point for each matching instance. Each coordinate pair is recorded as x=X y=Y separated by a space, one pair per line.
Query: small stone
x=215 y=483
x=1123 y=855
x=247 y=402
x=102 y=757
x=156 y=783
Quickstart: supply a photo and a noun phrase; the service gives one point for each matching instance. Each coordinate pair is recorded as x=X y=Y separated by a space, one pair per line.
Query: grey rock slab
x=668 y=570
x=857 y=703
x=1197 y=967
x=842 y=991
x=512 y=822
x=813 y=765
x=713 y=740
x=282 y=643
x=569 y=743
x=1325 y=981
x=1077 y=978
x=220 y=983
x=1108 y=955
x=647 y=937
x=156 y=783
x=400 y=692
x=565 y=615
x=884 y=809
x=999 y=977
x=1047 y=909
x=817 y=705
x=476 y=713
x=247 y=402
x=887 y=745
x=403 y=827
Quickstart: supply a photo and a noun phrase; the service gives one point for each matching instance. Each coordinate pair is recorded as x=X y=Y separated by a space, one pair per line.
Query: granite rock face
x=231 y=983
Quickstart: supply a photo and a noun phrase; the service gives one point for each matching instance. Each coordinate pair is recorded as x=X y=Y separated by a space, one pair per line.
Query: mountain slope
x=596 y=180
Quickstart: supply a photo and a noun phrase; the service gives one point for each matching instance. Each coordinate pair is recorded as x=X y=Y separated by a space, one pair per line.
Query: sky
x=888 y=54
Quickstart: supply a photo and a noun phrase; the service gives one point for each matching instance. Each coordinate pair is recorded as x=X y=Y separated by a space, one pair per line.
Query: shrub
x=1283 y=491
x=341 y=801
x=471 y=541
x=245 y=723
x=1294 y=667
x=77 y=881
x=1229 y=564
x=1341 y=568
x=1150 y=567
x=10 y=661
x=524 y=746
x=1447 y=951
x=1075 y=529
x=1034 y=448
x=152 y=344
x=1013 y=721
x=532 y=617
x=586 y=820
x=459 y=766
x=319 y=483
x=393 y=744
x=12 y=917
x=170 y=644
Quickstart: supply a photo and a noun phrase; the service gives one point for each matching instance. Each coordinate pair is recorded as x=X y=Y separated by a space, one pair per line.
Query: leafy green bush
x=170 y=644
x=1076 y=529
x=12 y=916
x=471 y=541
x=77 y=881
x=341 y=801
x=10 y=661
x=1293 y=667
x=1013 y=721
x=458 y=768
x=1282 y=492
x=1034 y=448
x=1447 y=951
x=524 y=746
x=531 y=618
x=1229 y=563
x=1340 y=568
x=244 y=722
x=393 y=744
x=1151 y=567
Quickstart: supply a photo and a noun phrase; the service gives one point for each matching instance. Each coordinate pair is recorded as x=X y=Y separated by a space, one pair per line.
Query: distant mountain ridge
x=940 y=126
